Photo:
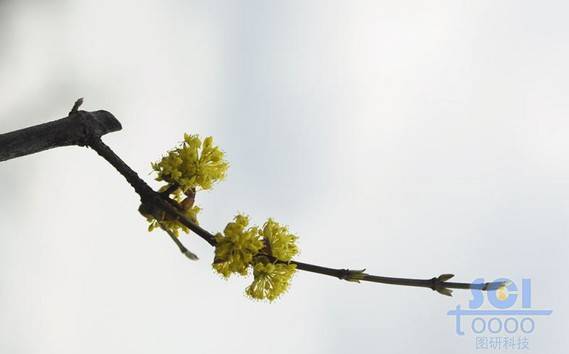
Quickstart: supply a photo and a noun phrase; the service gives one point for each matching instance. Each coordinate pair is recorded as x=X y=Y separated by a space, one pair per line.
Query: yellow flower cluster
x=282 y=244
x=193 y=164
x=270 y=280
x=236 y=247
x=267 y=251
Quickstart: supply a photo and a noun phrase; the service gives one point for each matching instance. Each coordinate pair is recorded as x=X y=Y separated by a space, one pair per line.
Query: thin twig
x=163 y=202
x=86 y=128
x=182 y=248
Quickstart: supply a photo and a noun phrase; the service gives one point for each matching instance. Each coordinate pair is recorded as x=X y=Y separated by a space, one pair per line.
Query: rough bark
x=75 y=129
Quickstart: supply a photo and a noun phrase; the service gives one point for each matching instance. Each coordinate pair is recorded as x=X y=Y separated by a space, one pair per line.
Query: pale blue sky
x=409 y=138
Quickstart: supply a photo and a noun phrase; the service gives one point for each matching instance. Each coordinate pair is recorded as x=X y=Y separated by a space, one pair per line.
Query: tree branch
x=86 y=128
x=74 y=129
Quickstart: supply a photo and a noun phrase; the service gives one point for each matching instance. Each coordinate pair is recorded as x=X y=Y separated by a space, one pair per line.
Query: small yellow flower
x=267 y=251
x=270 y=280
x=282 y=244
x=192 y=164
x=236 y=247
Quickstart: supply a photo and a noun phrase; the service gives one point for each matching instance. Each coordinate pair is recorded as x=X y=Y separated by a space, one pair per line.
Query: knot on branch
x=352 y=275
x=489 y=286
x=90 y=126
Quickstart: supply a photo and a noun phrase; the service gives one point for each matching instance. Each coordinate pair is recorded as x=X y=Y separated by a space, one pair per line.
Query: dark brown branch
x=161 y=201
x=148 y=196
x=86 y=128
x=438 y=284
x=143 y=189
x=75 y=129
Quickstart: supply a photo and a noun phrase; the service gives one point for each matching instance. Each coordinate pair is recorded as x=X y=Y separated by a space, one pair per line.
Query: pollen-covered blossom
x=267 y=251
x=192 y=164
x=236 y=247
x=281 y=243
x=270 y=280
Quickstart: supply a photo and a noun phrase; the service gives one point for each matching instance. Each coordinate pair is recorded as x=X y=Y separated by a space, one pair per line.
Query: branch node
x=438 y=284
x=352 y=275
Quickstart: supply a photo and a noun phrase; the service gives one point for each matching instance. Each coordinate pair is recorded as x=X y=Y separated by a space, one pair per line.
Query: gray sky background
x=409 y=138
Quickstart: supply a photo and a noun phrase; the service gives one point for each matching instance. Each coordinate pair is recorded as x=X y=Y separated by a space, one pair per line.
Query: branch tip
x=76 y=106
x=191 y=255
